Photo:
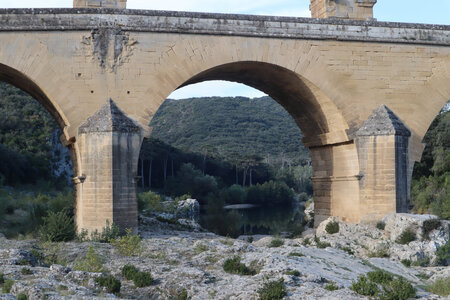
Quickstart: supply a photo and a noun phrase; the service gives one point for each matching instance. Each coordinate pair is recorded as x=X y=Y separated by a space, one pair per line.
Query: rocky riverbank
x=186 y=262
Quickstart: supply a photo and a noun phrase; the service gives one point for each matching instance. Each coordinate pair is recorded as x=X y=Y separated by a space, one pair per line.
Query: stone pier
x=109 y=144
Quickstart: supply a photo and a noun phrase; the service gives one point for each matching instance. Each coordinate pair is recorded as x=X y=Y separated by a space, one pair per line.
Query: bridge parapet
x=346 y=9
x=100 y=3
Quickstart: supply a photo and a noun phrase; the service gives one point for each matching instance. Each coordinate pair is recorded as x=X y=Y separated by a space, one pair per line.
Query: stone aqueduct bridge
x=363 y=93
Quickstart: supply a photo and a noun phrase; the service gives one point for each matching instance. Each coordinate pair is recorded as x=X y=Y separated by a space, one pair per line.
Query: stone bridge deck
x=52 y=19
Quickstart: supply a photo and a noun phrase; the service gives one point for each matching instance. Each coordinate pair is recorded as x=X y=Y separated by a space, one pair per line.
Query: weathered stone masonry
x=332 y=75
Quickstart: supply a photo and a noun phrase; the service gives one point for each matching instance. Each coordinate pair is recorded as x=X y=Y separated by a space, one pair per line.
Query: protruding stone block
x=109 y=144
x=345 y=9
x=122 y=4
x=382 y=143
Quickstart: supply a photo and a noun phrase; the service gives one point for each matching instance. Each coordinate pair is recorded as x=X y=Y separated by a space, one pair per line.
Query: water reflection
x=235 y=220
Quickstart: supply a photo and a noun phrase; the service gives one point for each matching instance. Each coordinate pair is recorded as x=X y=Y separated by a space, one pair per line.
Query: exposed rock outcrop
x=188 y=209
x=368 y=240
x=181 y=259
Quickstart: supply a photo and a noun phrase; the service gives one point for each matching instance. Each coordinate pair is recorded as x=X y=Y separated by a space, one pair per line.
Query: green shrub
x=364 y=287
x=380 y=276
x=406 y=237
x=380 y=252
x=128 y=245
x=109 y=233
x=272 y=290
x=270 y=193
x=142 y=279
x=22 y=296
x=57 y=227
x=26 y=271
x=348 y=250
x=443 y=255
x=306 y=242
x=440 y=287
x=320 y=244
x=235 y=194
x=149 y=201
x=200 y=248
x=398 y=289
x=129 y=271
x=421 y=262
x=91 y=263
x=274 y=243
x=381 y=225
x=250 y=239
x=23 y=262
x=182 y=198
x=406 y=262
x=430 y=225
x=62 y=287
x=423 y=276
x=110 y=282
x=393 y=287
x=332 y=227
x=38 y=211
x=292 y=273
x=50 y=258
x=7 y=285
x=182 y=295
x=298 y=254
x=441 y=204
x=2 y=278
x=234 y=266
x=37 y=254
x=331 y=287
x=192 y=181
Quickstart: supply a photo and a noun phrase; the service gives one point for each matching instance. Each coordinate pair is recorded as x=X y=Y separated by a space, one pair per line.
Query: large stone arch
x=311 y=109
x=179 y=59
x=22 y=81
x=334 y=155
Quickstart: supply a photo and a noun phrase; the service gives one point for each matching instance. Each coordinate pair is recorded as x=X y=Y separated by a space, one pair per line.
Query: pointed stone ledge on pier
x=109 y=118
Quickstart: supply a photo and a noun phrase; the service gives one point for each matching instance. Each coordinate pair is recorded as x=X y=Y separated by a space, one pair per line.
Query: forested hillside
x=430 y=191
x=231 y=127
x=239 y=140
x=26 y=129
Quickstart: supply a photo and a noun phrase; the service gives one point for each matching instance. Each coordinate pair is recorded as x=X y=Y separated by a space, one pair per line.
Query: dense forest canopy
x=430 y=188
x=230 y=127
x=26 y=129
x=239 y=140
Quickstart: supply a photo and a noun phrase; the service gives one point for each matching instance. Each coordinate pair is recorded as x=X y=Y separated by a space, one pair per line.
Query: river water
x=249 y=219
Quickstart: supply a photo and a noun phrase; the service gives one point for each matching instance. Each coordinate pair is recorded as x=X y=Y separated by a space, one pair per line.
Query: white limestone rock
x=320 y=231
x=183 y=259
x=188 y=209
x=396 y=224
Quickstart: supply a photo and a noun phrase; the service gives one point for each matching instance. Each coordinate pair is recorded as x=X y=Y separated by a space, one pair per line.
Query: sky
x=411 y=11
